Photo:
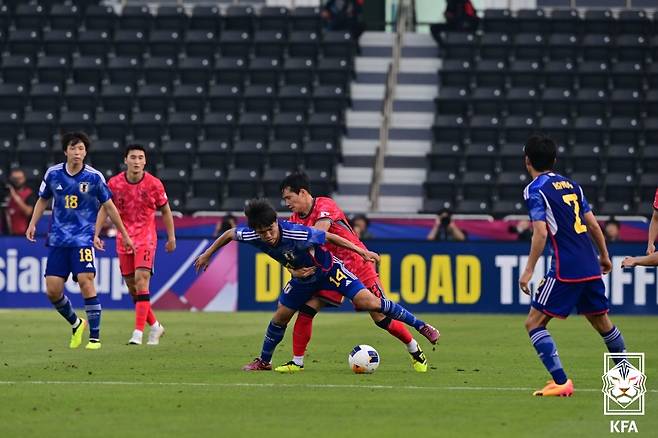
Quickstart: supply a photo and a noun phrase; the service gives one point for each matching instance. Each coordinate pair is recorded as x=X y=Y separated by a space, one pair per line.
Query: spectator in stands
x=445 y=229
x=20 y=203
x=611 y=230
x=344 y=15
x=225 y=224
x=360 y=224
x=523 y=230
x=460 y=15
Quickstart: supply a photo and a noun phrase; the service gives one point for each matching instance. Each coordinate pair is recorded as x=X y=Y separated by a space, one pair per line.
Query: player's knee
x=364 y=300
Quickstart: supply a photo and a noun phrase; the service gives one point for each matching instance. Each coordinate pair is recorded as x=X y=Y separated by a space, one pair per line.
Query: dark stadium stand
x=589 y=80
x=223 y=98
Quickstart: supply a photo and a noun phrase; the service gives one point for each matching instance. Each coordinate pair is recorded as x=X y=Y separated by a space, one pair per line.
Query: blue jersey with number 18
x=77 y=199
x=561 y=203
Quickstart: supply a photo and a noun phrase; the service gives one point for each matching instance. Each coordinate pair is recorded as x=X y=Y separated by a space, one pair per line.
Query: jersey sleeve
x=244 y=234
x=44 y=188
x=536 y=206
x=586 y=207
x=103 y=193
x=159 y=194
x=655 y=201
x=327 y=210
x=316 y=236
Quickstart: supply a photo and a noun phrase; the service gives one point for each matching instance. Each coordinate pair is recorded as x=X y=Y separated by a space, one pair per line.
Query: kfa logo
x=623 y=384
x=84 y=187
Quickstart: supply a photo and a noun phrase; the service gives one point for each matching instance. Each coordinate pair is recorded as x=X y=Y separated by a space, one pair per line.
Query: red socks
x=399 y=330
x=142 y=309
x=150 y=318
x=301 y=334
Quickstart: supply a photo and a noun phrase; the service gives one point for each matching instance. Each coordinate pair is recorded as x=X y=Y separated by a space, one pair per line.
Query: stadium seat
x=171 y=18
x=294 y=98
x=629 y=102
x=321 y=181
x=490 y=73
x=284 y=155
x=52 y=69
x=456 y=73
x=303 y=44
x=12 y=97
x=591 y=102
x=94 y=42
x=135 y=17
x=445 y=156
x=598 y=21
x=148 y=125
x=201 y=204
x=529 y=46
x=130 y=42
x=305 y=18
x=565 y=21
x=532 y=20
x=178 y=153
x=622 y=159
x=325 y=127
x=17 y=69
x=627 y=75
x=320 y=155
x=498 y=20
x=517 y=129
x=205 y=18
x=524 y=73
x=88 y=70
x=153 y=98
x=495 y=46
x=191 y=98
x=248 y=154
x=481 y=157
x=269 y=44
x=272 y=179
x=34 y=153
x=76 y=121
x=487 y=101
x=45 y=97
x=272 y=18
x=227 y=98
x=165 y=43
x=440 y=185
x=338 y=44
x=243 y=183
x=299 y=71
x=219 y=126
x=175 y=181
x=229 y=71
x=559 y=74
x=160 y=70
x=239 y=18
x=459 y=45
x=235 y=44
x=511 y=184
x=214 y=154
x=81 y=97
x=59 y=42
x=98 y=17
x=117 y=98
x=30 y=16
x=264 y=71
x=254 y=126
x=200 y=43
x=563 y=47
x=184 y=126
x=206 y=182
x=112 y=125
x=522 y=101
x=334 y=71
x=289 y=126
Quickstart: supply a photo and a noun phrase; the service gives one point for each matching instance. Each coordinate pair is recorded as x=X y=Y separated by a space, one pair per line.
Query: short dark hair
x=134 y=147
x=260 y=213
x=71 y=138
x=296 y=181
x=541 y=151
x=612 y=221
x=362 y=217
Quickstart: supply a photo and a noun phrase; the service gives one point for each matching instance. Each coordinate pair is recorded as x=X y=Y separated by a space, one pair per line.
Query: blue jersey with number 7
x=560 y=203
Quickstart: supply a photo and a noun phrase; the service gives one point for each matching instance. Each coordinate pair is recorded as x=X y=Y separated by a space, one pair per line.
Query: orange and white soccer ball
x=363 y=359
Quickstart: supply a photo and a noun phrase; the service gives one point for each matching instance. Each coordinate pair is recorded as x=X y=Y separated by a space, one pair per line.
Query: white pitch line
x=284 y=385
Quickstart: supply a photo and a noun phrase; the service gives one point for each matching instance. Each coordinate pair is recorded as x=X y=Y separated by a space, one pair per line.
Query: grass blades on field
x=191 y=385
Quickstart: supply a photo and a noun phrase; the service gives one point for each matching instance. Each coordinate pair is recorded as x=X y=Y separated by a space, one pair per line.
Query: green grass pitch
x=191 y=385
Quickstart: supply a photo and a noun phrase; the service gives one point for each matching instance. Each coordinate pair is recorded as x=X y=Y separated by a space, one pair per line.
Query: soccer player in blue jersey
x=558 y=209
x=77 y=191
x=297 y=246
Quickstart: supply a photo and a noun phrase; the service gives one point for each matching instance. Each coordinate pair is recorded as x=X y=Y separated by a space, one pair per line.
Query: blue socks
x=64 y=307
x=93 y=308
x=273 y=336
x=547 y=352
x=396 y=311
x=614 y=341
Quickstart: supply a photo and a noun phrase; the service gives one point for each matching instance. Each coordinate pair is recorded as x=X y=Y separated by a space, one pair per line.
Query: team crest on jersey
x=324 y=214
x=289 y=255
x=84 y=187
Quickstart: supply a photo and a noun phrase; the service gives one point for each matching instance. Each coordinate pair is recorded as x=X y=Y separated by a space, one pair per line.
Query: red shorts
x=142 y=258
x=335 y=299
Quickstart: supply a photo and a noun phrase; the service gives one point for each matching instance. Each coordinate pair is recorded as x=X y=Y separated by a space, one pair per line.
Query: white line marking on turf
x=174 y=278
x=284 y=385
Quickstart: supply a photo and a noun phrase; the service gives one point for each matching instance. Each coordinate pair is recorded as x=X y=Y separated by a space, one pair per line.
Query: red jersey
x=18 y=221
x=327 y=209
x=137 y=203
x=655 y=201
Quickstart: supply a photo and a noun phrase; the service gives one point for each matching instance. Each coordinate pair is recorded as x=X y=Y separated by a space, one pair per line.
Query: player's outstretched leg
x=364 y=300
x=61 y=303
x=547 y=351
x=399 y=330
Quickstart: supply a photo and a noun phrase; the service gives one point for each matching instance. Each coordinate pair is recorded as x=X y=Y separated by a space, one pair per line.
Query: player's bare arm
x=653 y=233
x=368 y=256
x=599 y=240
x=113 y=213
x=39 y=208
x=539 y=235
x=201 y=263
x=168 y=220
x=100 y=220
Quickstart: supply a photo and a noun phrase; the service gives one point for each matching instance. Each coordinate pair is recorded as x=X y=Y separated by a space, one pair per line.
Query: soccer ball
x=363 y=359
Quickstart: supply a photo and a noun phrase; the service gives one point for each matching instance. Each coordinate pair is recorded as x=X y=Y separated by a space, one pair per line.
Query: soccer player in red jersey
x=137 y=195
x=653 y=227
x=324 y=214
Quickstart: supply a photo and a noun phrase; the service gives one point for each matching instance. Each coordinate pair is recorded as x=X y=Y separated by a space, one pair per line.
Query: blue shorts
x=296 y=293
x=63 y=261
x=557 y=298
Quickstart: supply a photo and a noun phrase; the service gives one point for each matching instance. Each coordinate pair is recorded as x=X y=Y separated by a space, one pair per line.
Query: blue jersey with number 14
x=561 y=203
x=77 y=199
